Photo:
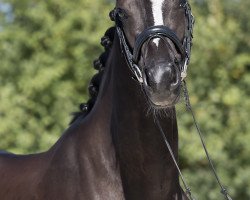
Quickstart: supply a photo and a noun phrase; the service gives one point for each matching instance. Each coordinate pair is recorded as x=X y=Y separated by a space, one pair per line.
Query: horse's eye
x=121 y=14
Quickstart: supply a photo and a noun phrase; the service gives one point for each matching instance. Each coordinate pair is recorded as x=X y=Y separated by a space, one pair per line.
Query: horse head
x=156 y=39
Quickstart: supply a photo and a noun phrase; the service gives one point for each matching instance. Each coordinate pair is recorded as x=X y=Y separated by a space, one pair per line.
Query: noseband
x=133 y=57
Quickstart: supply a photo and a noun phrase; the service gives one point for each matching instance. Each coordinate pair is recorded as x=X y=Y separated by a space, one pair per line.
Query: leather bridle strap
x=128 y=56
x=156 y=32
x=188 y=190
x=149 y=33
x=189 y=108
x=187 y=42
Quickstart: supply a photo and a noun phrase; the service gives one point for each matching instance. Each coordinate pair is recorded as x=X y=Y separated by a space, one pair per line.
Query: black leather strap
x=155 y=32
x=128 y=56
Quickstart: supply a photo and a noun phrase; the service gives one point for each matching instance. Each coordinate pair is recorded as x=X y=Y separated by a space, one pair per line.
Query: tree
x=46 y=52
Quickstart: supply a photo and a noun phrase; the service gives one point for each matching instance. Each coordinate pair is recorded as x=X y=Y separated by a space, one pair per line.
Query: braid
x=94 y=85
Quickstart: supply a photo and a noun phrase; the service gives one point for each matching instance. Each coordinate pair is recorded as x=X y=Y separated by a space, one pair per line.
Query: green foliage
x=46 y=51
x=46 y=54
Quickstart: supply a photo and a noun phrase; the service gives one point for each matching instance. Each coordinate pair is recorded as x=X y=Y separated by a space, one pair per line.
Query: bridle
x=132 y=58
x=184 y=48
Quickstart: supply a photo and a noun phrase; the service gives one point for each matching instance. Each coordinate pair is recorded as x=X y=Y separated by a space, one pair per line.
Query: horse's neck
x=147 y=170
x=87 y=147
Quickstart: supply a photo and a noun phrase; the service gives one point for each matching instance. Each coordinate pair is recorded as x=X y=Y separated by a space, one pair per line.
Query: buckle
x=184 y=69
x=138 y=73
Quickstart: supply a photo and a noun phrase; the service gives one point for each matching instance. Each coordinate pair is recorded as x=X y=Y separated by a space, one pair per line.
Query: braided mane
x=94 y=85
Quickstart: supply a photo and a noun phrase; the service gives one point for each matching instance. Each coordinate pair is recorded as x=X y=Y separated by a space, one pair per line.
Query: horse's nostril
x=161 y=78
x=148 y=76
x=175 y=81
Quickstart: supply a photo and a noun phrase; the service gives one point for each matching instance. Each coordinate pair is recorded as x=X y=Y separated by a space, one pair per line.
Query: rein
x=188 y=190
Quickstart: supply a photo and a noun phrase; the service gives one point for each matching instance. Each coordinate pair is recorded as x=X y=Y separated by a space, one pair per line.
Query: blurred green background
x=46 y=53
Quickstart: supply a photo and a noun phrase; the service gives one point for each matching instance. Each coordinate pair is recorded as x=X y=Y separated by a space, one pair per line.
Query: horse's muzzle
x=162 y=84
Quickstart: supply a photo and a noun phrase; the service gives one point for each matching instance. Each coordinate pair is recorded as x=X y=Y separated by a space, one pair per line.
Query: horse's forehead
x=152 y=7
x=148 y=5
x=141 y=4
x=157 y=10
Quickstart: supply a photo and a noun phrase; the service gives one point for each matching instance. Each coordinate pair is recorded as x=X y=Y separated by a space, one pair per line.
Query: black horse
x=113 y=149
